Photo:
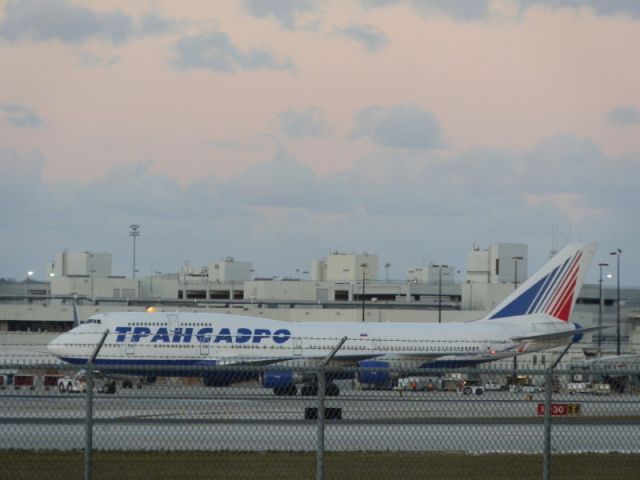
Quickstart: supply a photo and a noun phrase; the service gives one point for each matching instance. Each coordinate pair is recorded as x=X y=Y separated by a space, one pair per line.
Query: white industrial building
x=431 y=274
x=88 y=274
x=345 y=267
x=493 y=273
x=80 y=263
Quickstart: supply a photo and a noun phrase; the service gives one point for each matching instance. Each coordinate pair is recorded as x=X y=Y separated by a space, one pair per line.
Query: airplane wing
x=542 y=337
x=344 y=360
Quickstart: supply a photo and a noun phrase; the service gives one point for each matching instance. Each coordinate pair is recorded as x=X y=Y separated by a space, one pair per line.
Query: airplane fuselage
x=209 y=338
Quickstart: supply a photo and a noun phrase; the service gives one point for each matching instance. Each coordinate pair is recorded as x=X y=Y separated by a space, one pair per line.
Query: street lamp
x=364 y=268
x=515 y=287
x=617 y=253
x=440 y=267
x=387 y=265
x=134 y=231
x=515 y=276
x=601 y=265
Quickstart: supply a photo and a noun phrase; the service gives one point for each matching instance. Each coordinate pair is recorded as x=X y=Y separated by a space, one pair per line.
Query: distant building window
x=497 y=266
x=38 y=326
x=342 y=295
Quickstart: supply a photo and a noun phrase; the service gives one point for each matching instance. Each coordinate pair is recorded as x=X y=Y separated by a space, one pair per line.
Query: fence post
x=548 y=391
x=322 y=382
x=320 y=445
x=88 y=432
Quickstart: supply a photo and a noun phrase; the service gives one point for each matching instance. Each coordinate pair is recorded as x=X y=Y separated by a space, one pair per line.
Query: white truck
x=590 y=388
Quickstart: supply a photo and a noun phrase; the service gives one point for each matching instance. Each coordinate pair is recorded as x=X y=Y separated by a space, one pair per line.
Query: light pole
x=617 y=253
x=387 y=265
x=515 y=267
x=134 y=231
x=600 y=299
x=364 y=268
x=440 y=267
x=515 y=287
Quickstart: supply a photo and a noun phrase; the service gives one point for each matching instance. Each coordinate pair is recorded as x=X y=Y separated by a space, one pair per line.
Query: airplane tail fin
x=552 y=290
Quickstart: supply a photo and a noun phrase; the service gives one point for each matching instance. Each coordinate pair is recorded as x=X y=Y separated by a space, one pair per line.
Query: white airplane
x=534 y=317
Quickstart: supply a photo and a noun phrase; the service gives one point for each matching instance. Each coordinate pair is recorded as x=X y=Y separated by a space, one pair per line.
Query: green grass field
x=18 y=465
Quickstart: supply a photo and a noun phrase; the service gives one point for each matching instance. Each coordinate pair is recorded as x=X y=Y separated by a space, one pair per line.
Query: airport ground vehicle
x=491 y=386
x=420 y=383
x=591 y=388
x=472 y=390
x=471 y=387
x=526 y=389
x=78 y=384
x=75 y=384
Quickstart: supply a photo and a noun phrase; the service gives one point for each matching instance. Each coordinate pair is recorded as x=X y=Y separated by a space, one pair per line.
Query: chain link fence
x=221 y=422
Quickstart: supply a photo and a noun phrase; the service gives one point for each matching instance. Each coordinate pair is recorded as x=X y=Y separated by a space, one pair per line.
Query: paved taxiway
x=193 y=418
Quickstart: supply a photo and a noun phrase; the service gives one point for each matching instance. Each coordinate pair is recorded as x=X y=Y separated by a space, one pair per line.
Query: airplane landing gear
x=289 y=390
x=311 y=390
x=109 y=387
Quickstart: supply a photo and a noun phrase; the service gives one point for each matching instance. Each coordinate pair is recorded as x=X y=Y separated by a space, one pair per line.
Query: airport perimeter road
x=161 y=418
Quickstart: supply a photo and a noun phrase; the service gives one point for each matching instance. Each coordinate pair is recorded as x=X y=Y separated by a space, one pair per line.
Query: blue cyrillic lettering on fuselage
x=162 y=335
x=180 y=336
x=203 y=335
x=140 y=332
x=224 y=336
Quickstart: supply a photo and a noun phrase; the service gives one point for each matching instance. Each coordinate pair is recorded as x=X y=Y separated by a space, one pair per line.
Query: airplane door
x=297 y=346
x=129 y=347
x=173 y=321
x=204 y=348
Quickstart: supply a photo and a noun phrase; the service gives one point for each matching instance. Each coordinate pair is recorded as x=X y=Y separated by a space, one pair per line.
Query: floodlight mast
x=134 y=231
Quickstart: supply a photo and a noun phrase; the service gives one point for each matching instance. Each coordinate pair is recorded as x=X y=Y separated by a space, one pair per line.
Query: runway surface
x=160 y=417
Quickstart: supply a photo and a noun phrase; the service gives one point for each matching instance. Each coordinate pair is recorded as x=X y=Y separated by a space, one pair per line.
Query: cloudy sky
x=278 y=131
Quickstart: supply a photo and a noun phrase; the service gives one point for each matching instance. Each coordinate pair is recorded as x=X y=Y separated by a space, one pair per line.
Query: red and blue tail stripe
x=552 y=294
